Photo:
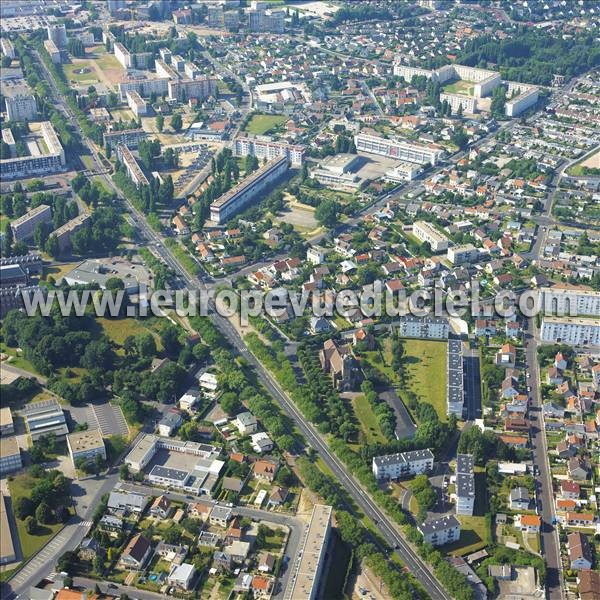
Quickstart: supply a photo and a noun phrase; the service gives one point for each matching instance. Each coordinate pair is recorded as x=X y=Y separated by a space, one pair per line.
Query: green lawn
x=474 y=535
x=459 y=87
x=118 y=330
x=17 y=360
x=261 y=124
x=108 y=61
x=368 y=420
x=424 y=364
x=19 y=487
x=88 y=77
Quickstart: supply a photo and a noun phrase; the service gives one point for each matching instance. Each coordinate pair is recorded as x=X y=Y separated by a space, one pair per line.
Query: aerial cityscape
x=300 y=299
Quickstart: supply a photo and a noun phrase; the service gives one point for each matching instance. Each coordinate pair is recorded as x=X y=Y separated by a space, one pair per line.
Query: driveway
x=405 y=427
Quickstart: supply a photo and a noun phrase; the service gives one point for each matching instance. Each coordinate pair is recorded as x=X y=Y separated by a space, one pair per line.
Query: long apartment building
x=134 y=171
x=404 y=150
x=144 y=86
x=64 y=232
x=7 y=47
x=571 y=330
x=122 y=55
x=465 y=484
x=402 y=464
x=307 y=573
x=130 y=137
x=24 y=227
x=52 y=161
x=137 y=104
x=245 y=192
x=266 y=149
x=181 y=87
x=426 y=328
x=426 y=232
x=455 y=393
x=570 y=301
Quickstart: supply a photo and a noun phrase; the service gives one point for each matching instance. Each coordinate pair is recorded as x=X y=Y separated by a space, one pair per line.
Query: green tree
x=43 y=514
x=176 y=122
x=31 y=525
x=160 y=122
x=327 y=213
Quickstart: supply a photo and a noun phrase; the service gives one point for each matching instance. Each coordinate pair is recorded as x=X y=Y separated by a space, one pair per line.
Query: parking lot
x=110 y=419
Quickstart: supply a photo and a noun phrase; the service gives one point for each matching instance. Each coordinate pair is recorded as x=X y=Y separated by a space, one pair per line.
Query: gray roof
x=119 y=499
x=464 y=463
x=447 y=522
x=220 y=512
x=519 y=493
x=465 y=485
x=403 y=457
x=165 y=472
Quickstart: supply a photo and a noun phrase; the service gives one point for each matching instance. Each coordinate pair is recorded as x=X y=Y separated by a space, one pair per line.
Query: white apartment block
x=404 y=150
x=163 y=69
x=186 y=89
x=465 y=253
x=571 y=331
x=394 y=466
x=465 y=484
x=20 y=107
x=312 y=556
x=130 y=137
x=468 y=103
x=527 y=96
x=570 y=301
x=122 y=55
x=144 y=87
x=58 y=35
x=137 y=104
x=24 y=226
x=269 y=150
x=134 y=171
x=426 y=232
x=455 y=396
x=7 y=47
x=426 y=328
x=86 y=445
x=438 y=532
x=53 y=51
x=248 y=190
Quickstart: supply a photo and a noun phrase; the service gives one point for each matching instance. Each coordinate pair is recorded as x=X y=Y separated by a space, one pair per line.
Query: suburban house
x=530 y=523
x=519 y=498
x=580 y=555
x=136 y=553
x=161 y=507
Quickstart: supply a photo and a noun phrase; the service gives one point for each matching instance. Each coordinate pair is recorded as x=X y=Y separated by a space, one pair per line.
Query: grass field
x=592 y=161
x=459 y=87
x=4 y=221
x=118 y=330
x=19 y=487
x=424 y=364
x=87 y=77
x=108 y=61
x=368 y=421
x=261 y=124
x=474 y=535
x=16 y=360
